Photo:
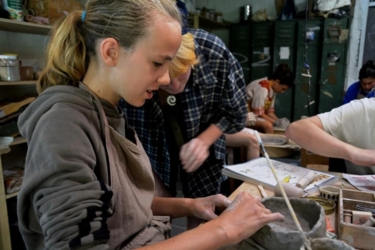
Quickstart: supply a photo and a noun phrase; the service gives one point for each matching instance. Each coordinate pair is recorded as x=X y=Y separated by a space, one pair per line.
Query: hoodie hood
x=57 y=94
x=76 y=96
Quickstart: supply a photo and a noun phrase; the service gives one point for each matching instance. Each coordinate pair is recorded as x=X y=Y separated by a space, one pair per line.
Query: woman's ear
x=110 y=51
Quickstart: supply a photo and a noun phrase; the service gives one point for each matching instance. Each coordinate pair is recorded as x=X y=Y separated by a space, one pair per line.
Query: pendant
x=171 y=100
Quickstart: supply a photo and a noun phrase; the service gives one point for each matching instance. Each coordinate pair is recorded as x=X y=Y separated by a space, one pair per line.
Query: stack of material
x=9 y=113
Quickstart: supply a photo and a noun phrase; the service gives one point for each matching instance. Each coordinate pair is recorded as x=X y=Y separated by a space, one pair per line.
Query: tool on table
x=306 y=180
x=262 y=191
x=305 y=241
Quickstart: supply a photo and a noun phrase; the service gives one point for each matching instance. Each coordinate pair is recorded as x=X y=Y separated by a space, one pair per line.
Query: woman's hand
x=193 y=154
x=244 y=216
x=208 y=208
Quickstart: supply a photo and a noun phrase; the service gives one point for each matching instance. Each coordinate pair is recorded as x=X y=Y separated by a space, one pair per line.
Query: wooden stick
x=305 y=241
x=262 y=191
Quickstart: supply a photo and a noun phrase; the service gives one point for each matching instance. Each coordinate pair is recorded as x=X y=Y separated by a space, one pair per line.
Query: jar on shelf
x=9 y=68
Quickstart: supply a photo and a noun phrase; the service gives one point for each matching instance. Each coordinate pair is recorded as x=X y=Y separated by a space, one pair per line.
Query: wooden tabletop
x=4 y=150
x=254 y=190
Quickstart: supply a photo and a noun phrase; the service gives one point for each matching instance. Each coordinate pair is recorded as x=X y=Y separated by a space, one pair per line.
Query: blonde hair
x=185 y=57
x=74 y=38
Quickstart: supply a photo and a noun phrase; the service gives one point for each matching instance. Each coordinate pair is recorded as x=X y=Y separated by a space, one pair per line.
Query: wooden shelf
x=200 y=22
x=8 y=196
x=4 y=151
x=18 y=140
x=18 y=83
x=24 y=27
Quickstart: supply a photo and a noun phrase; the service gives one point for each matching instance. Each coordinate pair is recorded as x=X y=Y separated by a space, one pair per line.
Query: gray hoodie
x=65 y=198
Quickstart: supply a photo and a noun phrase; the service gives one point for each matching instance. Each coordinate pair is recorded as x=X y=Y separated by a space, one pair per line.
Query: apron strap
x=103 y=126
x=162 y=223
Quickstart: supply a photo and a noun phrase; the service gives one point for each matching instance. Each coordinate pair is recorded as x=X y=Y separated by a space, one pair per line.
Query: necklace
x=171 y=100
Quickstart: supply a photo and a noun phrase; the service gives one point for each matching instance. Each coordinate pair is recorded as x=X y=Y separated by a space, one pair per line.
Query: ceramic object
x=277 y=145
x=330 y=192
x=289 y=189
x=306 y=180
x=328 y=205
x=285 y=235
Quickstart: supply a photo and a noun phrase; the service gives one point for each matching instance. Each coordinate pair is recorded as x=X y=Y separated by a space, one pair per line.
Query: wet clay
x=290 y=225
x=284 y=235
x=331 y=244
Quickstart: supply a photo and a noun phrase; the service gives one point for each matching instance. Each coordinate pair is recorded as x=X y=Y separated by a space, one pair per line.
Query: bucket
x=14 y=7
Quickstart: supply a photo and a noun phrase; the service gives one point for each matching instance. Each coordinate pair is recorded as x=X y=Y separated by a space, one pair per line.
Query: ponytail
x=66 y=54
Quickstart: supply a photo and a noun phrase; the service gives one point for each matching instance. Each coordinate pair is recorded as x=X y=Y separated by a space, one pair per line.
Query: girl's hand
x=208 y=208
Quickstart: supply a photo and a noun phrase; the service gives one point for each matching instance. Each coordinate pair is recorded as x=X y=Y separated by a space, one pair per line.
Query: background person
x=364 y=88
x=345 y=132
x=261 y=96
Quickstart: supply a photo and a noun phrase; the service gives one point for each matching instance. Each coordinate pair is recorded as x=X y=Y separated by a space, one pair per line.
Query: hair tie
x=83 y=16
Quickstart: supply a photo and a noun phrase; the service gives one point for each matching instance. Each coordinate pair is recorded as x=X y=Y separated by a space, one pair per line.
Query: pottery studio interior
x=226 y=124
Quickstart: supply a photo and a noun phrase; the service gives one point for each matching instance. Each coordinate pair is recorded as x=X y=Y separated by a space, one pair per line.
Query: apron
x=268 y=101
x=132 y=224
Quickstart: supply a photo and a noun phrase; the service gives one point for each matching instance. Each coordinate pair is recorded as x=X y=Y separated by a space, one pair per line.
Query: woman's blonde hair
x=74 y=39
x=185 y=57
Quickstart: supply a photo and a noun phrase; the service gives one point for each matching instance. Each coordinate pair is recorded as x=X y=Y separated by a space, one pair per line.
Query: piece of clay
x=290 y=190
x=358 y=214
x=305 y=180
x=370 y=222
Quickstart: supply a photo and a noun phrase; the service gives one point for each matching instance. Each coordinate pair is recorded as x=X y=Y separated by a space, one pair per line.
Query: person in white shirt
x=346 y=132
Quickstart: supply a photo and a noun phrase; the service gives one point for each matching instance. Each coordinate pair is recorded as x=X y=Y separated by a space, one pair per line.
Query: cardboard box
x=357 y=236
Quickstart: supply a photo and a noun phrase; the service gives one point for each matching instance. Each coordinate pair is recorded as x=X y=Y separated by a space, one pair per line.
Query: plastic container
x=9 y=68
x=14 y=7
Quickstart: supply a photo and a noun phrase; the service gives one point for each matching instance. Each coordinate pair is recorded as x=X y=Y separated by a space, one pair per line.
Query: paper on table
x=362 y=182
x=257 y=172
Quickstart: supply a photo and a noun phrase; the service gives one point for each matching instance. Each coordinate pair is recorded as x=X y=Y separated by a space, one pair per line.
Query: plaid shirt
x=216 y=95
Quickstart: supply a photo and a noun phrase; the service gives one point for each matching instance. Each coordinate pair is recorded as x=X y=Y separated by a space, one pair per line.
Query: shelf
x=18 y=140
x=24 y=27
x=200 y=22
x=8 y=196
x=4 y=151
x=18 y=83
